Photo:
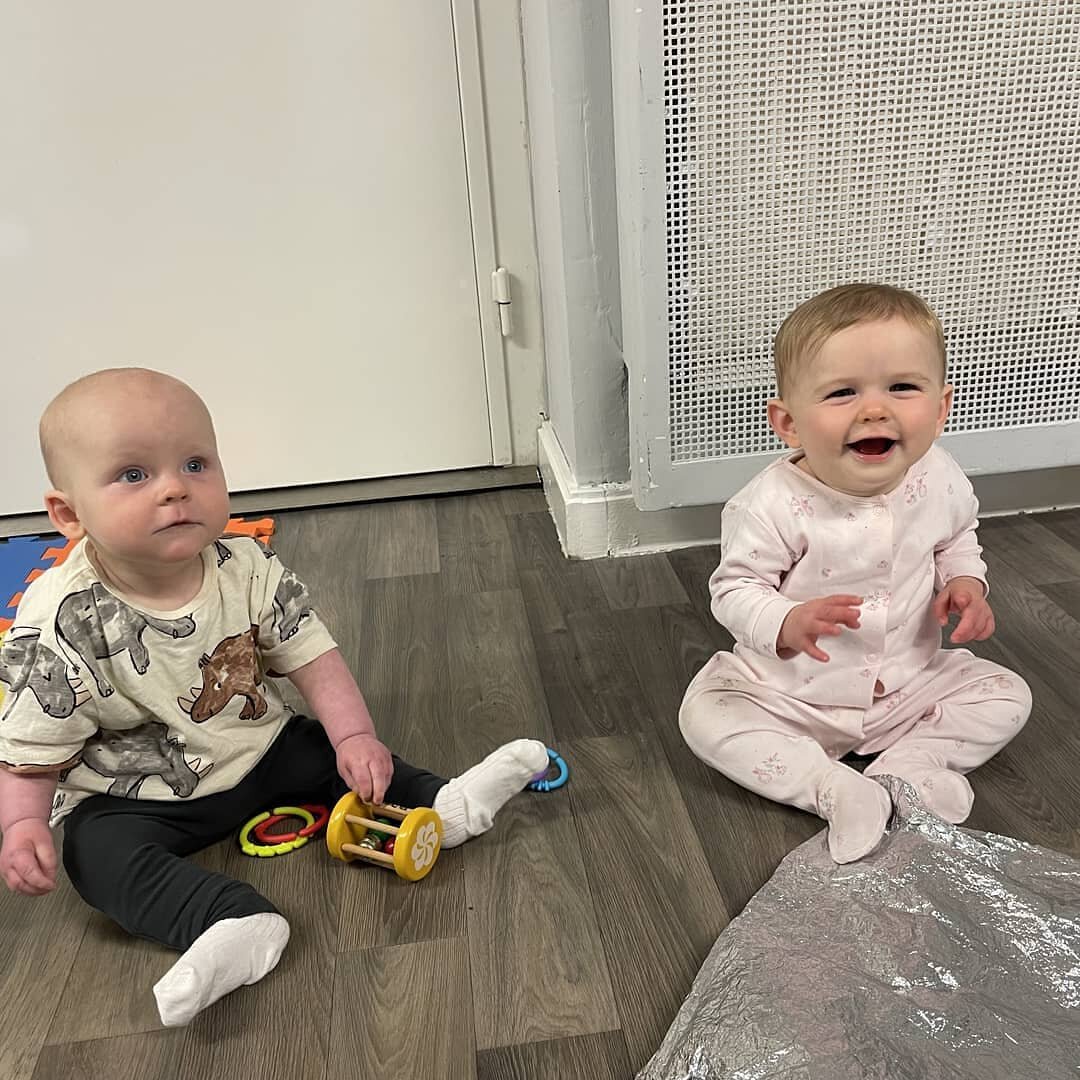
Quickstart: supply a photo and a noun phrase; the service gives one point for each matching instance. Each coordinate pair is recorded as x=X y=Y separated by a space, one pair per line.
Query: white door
x=265 y=198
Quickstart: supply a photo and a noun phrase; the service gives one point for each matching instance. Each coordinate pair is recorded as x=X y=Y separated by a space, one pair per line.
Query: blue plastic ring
x=556 y=781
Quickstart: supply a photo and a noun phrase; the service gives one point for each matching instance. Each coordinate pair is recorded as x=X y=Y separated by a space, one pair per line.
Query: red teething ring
x=262 y=832
x=261 y=835
x=322 y=816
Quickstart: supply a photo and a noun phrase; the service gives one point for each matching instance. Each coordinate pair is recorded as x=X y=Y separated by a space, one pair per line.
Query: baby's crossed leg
x=965 y=708
x=781 y=759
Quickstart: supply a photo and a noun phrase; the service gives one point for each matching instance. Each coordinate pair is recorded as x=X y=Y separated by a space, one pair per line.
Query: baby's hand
x=365 y=765
x=809 y=621
x=28 y=858
x=966 y=597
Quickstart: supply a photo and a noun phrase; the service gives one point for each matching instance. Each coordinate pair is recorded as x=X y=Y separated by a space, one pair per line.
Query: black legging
x=126 y=857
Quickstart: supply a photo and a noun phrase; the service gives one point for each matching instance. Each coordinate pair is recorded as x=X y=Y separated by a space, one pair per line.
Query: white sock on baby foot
x=468 y=803
x=857 y=810
x=231 y=953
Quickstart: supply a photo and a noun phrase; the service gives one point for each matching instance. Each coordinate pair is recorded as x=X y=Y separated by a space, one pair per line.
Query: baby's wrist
x=23 y=822
x=781 y=635
x=966 y=581
x=25 y=797
x=354 y=735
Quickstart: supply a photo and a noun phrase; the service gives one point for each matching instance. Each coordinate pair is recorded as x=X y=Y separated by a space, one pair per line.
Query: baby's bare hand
x=966 y=597
x=366 y=766
x=825 y=616
x=28 y=858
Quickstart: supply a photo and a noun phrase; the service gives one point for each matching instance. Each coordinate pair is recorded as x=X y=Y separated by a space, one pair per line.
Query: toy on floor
x=267 y=844
x=542 y=782
x=409 y=848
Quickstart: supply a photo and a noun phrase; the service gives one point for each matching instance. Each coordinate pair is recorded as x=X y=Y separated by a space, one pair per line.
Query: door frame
x=482 y=218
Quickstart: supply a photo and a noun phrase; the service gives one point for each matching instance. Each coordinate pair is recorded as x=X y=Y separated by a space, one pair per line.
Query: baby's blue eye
x=900 y=387
x=194 y=466
x=845 y=392
x=133 y=476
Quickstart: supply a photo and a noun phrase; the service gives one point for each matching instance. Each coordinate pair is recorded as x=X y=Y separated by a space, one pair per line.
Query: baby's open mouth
x=872 y=448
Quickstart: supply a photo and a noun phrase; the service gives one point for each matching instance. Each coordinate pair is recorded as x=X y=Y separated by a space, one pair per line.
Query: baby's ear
x=946 y=405
x=783 y=423
x=63 y=515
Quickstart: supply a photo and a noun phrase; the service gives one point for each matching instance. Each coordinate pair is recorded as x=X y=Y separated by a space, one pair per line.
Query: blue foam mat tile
x=18 y=556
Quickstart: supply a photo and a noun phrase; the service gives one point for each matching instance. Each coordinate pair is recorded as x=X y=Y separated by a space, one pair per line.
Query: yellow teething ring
x=265 y=851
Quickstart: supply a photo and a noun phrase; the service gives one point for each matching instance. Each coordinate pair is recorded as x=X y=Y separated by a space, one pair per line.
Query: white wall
x=568 y=81
x=108 y=134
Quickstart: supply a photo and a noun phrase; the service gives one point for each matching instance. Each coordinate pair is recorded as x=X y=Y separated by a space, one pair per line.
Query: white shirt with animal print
x=788 y=538
x=153 y=704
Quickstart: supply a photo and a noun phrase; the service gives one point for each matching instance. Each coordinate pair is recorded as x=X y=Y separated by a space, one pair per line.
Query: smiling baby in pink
x=840 y=564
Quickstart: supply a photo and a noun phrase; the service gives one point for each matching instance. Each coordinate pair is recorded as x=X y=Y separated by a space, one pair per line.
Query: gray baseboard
x=1028 y=492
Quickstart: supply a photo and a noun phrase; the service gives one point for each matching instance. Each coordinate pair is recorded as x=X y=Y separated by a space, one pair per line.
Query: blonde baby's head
x=813 y=322
x=132 y=457
x=860 y=371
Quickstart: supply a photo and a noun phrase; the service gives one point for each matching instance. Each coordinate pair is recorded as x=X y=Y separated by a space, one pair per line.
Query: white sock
x=857 y=810
x=468 y=803
x=231 y=953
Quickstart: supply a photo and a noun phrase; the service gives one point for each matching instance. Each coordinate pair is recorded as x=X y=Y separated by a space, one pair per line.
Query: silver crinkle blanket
x=946 y=953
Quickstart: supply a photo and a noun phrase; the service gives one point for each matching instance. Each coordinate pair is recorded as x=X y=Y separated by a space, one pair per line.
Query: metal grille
x=931 y=144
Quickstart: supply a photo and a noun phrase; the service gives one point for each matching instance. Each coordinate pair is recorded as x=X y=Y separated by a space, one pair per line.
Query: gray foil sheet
x=946 y=953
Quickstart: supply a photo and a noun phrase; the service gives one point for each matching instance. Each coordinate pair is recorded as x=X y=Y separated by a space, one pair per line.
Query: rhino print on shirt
x=25 y=663
x=133 y=755
x=291 y=605
x=84 y=617
x=231 y=669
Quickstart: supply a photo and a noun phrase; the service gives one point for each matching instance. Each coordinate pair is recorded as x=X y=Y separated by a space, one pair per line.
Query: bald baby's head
x=106 y=397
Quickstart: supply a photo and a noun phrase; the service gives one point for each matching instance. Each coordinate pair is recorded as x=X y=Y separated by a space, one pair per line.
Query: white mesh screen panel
x=930 y=144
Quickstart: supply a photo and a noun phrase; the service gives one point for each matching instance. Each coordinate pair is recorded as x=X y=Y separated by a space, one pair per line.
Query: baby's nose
x=873 y=408
x=174 y=490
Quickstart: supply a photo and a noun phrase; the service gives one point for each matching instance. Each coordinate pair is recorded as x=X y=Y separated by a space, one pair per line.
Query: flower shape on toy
x=423 y=850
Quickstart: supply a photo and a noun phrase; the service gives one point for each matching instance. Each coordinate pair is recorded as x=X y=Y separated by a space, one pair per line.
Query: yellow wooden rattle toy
x=411 y=847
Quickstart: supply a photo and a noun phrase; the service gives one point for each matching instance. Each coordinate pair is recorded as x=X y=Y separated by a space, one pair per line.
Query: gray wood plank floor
x=562 y=943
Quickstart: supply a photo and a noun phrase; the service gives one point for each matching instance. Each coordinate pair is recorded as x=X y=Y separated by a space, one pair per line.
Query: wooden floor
x=560 y=944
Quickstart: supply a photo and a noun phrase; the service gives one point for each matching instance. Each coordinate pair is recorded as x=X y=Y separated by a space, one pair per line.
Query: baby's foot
x=468 y=803
x=857 y=810
x=942 y=791
x=231 y=953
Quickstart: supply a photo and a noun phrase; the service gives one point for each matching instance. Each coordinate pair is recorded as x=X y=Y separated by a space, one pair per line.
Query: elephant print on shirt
x=231 y=669
x=96 y=625
x=134 y=755
x=25 y=663
x=291 y=605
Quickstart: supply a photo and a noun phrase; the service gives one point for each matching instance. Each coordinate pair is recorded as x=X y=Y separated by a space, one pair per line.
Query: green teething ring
x=265 y=851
